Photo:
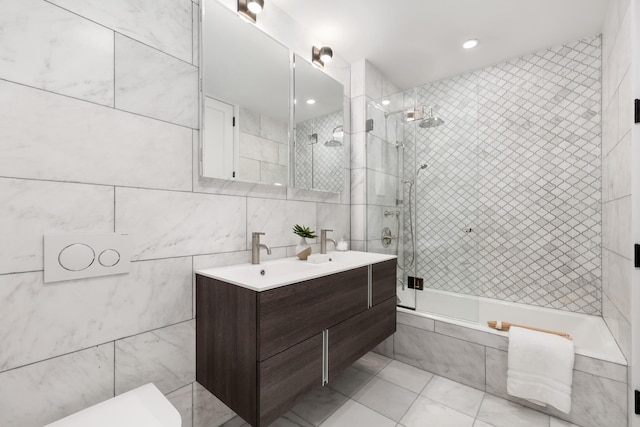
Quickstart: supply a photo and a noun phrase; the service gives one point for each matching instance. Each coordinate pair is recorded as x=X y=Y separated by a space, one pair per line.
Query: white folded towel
x=540 y=368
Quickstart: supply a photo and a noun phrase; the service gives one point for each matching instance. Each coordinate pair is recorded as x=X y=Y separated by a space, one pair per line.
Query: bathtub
x=590 y=334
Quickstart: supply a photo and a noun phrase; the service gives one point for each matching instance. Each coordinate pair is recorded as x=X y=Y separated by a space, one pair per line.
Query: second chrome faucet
x=324 y=239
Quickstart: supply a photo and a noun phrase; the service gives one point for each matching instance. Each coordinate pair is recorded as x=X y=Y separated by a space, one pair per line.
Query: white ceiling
x=413 y=42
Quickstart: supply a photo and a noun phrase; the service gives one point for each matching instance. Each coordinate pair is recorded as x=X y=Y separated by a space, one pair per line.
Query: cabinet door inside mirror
x=246 y=97
x=319 y=129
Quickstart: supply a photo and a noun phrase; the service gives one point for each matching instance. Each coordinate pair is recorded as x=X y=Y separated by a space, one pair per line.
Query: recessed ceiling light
x=311 y=101
x=470 y=44
x=386 y=102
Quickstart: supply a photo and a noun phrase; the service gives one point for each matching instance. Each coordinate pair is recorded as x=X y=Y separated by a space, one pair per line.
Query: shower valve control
x=468 y=230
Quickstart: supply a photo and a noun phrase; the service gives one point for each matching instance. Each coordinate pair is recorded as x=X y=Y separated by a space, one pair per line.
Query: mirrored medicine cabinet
x=268 y=115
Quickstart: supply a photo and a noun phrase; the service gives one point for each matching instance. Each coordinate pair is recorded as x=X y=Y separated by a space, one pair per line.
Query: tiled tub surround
x=98 y=133
x=518 y=160
x=477 y=356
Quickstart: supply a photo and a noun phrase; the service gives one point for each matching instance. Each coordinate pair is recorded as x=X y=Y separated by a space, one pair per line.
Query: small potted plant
x=303 y=250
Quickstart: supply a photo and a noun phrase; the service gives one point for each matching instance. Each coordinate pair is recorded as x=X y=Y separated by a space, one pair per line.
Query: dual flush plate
x=80 y=255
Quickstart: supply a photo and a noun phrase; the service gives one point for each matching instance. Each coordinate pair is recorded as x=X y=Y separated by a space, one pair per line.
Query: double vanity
x=266 y=334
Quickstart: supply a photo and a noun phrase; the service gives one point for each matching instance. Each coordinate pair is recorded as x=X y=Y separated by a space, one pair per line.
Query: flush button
x=76 y=257
x=109 y=257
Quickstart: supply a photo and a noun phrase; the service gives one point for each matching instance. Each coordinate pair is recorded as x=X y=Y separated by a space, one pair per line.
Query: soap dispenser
x=342 y=245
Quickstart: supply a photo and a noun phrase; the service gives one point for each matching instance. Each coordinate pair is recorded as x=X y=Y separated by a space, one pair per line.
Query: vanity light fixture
x=320 y=56
x=386 y=102
x=248 y=9
x=311 y=101
x=470 y=44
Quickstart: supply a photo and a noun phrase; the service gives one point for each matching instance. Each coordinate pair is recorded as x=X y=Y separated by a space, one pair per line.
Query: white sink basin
x=281 y=272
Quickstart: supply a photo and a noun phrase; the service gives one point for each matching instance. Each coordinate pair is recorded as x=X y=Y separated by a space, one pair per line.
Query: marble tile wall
x=517 y=160
x=99 y=133
x=318 y=165
x=479 y=359
x=374 y=161
x=617 y=157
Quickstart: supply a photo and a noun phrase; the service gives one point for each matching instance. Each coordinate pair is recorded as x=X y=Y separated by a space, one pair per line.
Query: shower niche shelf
x=260 y=352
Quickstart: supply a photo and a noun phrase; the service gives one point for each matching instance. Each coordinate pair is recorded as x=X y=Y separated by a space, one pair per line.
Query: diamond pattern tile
x=319 y=166
x=517 y=162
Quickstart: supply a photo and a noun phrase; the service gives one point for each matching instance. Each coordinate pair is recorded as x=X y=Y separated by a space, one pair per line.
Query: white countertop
x=281 y=272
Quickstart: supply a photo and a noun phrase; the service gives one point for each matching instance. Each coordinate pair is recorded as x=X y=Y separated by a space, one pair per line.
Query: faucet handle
x=257 y=233
x=324 y=230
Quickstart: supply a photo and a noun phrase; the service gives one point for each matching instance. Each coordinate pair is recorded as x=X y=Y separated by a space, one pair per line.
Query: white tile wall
x=617 y=158
x=44 y=392
x=260 y=214
x=48 y=136
x=187 y=224
x=58 y=60
x=163 y=24
x=46 y=320
x=165 y=357
x=153 y=84
x=40 y=207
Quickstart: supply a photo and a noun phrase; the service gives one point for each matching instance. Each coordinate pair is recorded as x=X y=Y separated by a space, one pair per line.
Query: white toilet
x=144 y=406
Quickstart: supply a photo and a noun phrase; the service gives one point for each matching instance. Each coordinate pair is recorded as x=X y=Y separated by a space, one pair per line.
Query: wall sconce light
x=248 y=9
x=320 y=56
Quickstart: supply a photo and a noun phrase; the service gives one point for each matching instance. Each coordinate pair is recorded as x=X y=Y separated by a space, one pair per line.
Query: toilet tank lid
x=143 y=406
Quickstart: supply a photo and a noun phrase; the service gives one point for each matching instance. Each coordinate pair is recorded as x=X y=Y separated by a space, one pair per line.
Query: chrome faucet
x=255 y=247
x=323 y=241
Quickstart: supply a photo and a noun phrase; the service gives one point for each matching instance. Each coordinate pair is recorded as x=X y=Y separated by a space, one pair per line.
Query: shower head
x=423 y=165
x=431 y=121
x=336 y=137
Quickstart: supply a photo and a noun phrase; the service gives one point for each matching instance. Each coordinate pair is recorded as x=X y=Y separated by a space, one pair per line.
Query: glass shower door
x=447 y=200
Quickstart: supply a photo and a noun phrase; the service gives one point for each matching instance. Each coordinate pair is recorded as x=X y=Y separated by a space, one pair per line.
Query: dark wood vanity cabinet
x=261 y=352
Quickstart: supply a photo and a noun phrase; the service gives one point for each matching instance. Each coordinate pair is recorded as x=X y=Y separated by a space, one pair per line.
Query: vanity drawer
x=293 y=313
x=286 y=377
x=383 y=281
x=352 y=339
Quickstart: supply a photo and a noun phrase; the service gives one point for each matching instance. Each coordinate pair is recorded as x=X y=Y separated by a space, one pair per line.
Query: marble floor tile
x=479 y=423
x=502 y=413
x=390 y=400
x=454 y=395
x=208 y=410
x=319 y=404
x=372 y=363
x=182 y=400
x=287 y=420
x=555 y=422
x=354 y=414
x=427 y=413
x=406 y=376
x=349 y=381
